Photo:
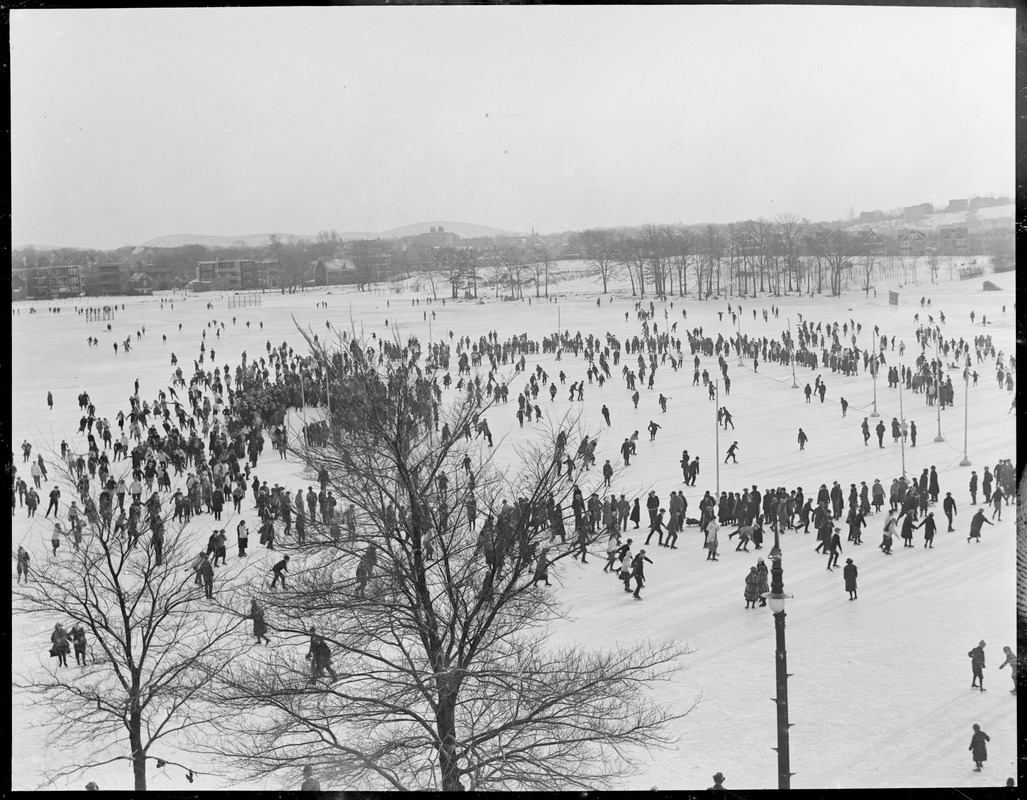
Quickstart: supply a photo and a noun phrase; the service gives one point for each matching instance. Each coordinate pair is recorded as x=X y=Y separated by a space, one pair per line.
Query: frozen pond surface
x=880 y=689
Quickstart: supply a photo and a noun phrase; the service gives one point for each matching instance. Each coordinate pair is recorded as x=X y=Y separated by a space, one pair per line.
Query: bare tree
x=933 y=263
x=541 y=260
x=790 y=230
x=446 y=677
x=682 y=245
x=653 y=241
x=156 y=642
x=599 y=247
x=841 y=246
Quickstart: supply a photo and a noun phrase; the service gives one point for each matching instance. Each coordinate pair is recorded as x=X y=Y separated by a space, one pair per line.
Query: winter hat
x=848 y=561
x=759 y=560
x=982 y=643
x=718 y=778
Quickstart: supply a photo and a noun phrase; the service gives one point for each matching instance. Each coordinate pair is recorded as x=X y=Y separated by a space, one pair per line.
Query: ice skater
x=976 y=656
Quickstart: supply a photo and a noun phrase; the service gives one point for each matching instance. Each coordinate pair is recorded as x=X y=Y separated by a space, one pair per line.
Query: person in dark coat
x=764 y=587
x=849 y=572
x=259 y=625
x=61 y=645
x=977 y=524
x=929 y=526
x=907 y=530
x=949 y=507
x=718 y=783
x=278 y=571
x=206 y=573
x=834 y=547
x=933 y=488
x=973 y=487
x=638 y=572
x=752 y=586
x=978 y=747
x=636 y=513
x=977 y=666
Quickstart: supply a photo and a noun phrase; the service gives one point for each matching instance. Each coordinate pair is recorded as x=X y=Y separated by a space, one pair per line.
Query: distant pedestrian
x=976 y=656
x=849 y=572
x=310 y=781
x=978 y=747
x=731 y=450
x=638 y=572
x=1011 y=662
x=977 y=524
x=718 y=783
x=803 y=438
x=259 y=624
x=278 y=571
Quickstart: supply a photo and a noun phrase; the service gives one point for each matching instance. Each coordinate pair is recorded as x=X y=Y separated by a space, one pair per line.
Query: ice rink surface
x=879 y=692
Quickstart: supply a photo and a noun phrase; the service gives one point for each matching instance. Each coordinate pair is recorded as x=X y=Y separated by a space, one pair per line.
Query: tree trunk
x=135 y=738
x=445 y=721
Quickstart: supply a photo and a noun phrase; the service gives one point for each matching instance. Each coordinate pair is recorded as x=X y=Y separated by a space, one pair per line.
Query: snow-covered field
x=880 y=689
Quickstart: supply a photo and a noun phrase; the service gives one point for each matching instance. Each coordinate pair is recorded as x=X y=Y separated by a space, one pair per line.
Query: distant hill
x=182 y=239
x=464 y=230
x=972 y=219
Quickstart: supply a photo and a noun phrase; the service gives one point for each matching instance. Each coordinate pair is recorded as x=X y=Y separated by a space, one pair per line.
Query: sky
x=132 y=124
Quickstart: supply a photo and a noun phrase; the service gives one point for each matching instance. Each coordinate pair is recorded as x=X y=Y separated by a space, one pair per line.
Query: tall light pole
x=716 y=434
x=795 y=383
x=776 y=600
x=966 y=411
x=874 y=365
x=902 y=421
x=738 y=319
x=937 y=392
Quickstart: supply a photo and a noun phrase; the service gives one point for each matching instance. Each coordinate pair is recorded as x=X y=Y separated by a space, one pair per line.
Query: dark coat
x=849 y=573
x=978 y=746
x=752 y=585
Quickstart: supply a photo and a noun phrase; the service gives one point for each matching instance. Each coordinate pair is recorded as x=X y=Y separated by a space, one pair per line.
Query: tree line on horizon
x=760 y=256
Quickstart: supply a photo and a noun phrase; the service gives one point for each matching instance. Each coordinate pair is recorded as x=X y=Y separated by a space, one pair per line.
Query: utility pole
x=902 y=421
x=937 y=392
x=965 y=462
x=874 y=366
x=795 y=383
x=716 y=434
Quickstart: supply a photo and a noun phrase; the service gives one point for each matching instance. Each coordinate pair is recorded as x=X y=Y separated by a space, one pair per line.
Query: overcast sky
x=131 y=124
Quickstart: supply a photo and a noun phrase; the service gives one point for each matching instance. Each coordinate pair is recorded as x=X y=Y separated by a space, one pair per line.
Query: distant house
x=952 y=242
x=335 y=272
x=912 y=243
x=238 y=274
x=17 y=287
x=140 y=283
x=918 y=211
x=46 y=283
x=959 y=204
x=110 y=279
x=871 y=243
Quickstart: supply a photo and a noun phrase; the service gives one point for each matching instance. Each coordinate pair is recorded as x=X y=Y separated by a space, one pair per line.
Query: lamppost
x=902 y=422
x=966 y=410
x=716 y=434
x=937 y=392
x=874 y=366
x=738 y=319
x=776 y=600
x=795 y=383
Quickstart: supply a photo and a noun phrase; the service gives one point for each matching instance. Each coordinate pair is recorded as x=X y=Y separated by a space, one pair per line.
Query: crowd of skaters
x=215 y=438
